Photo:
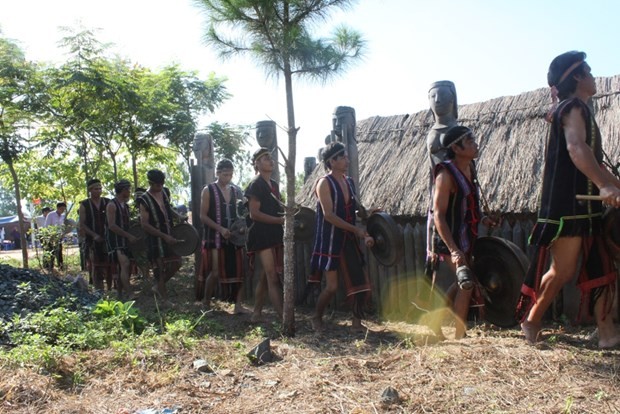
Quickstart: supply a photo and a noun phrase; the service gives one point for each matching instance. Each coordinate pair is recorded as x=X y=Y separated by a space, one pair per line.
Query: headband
x=333 y=151
x=259 y=153
x=92 y=182
x=460 y=137
x=555 y=92
x=568 y=71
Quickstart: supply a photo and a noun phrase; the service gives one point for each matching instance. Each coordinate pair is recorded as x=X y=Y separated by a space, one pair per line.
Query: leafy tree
x=188 y=98
x=21 y=97
x=8 y=206
x=230 y=142
x=75 y=90
x=277 y=34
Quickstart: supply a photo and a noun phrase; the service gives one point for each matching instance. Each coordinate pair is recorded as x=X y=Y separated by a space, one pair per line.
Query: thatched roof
x=394 y=166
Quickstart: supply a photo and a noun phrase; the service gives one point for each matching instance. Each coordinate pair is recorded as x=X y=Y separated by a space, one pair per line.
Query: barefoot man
x=568 y=231
x=156 y=220
x=118 y=236
x=265 y=231
x=336 y=244
x=221 y=259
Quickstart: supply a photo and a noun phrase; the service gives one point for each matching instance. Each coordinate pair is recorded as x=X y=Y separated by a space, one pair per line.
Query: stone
x=261 y=353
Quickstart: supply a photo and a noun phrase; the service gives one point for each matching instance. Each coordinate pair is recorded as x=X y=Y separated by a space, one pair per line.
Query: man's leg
x=160 y=279
x=172 y=267
x=124 y=284
x=95 y=270
x=239 y=309
x=61 y=262
x=461 y=309
x=325 y=298
x=273 y=281
x=260 y=296
x=607 y=333
x=565 y=254
x=213 y=278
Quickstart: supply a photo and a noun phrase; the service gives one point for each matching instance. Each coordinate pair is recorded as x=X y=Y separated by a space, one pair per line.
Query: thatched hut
x=511 y=130
x=394 y=167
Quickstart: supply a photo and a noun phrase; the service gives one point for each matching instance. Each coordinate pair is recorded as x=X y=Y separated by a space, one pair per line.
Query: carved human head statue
x=343 y=117
x=266 y=134
x=442 y=99
x=203 y=149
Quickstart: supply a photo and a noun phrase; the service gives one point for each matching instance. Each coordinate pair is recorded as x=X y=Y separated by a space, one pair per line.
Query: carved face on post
x=203 y=149
x=442 y=99
x=266 y=134
x=343 y=122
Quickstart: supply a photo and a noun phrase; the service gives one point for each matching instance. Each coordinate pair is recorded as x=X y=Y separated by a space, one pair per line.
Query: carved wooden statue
x=344 y=125
x=442 y=100
x=266 y=137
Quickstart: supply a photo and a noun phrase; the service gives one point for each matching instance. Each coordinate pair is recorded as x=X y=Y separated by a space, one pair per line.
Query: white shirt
x=54 y=219
x=40 y=221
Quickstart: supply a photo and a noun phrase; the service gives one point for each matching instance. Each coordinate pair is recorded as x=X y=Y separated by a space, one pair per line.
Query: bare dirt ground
x=338 y=371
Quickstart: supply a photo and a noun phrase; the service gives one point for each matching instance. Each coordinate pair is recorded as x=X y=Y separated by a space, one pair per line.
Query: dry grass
x=490 y=371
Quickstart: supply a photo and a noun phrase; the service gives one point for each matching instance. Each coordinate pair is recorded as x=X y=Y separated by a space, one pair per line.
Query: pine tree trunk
x=288 y=323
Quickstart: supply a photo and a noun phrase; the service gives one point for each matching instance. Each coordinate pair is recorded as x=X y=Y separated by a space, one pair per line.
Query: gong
x=304 y=224
x=187 y=239
x=139 y=246
x=388 y=247
x=499 y=266
x=238 y=232
x=611 y=231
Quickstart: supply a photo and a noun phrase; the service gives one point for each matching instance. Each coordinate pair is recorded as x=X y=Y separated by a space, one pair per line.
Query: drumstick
x=589 y=197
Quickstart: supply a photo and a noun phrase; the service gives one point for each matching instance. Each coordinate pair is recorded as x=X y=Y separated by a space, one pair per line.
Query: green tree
x=277 y=34
x=76 y=89
x=21 y=98
x=189 y=97
x=230 y=142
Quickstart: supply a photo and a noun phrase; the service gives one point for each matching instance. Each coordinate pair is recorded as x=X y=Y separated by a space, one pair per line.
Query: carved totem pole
x=343 y=124
x=202 y=173
x=266 y=137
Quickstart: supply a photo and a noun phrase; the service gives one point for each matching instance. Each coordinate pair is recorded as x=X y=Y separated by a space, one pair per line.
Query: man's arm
x=582 y=156
x=444 y=186
x=115 y=228
x=84 y=229
x=144 y=221
x=257 y=215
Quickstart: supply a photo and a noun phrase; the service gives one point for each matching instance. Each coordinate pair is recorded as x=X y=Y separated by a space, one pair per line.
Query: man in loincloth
x=92 y=226
x=336 y=245
x=118 y=236
x=222 y=261
x=568 y=231
x=156 y=218
x=265 y=232
x=454 y=222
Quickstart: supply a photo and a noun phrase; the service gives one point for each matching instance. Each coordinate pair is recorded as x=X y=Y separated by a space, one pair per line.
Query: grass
x=125 y=357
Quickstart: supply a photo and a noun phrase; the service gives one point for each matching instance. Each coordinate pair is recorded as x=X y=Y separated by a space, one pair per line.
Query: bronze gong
x=388 y=248
x=238 y=232
x=500 y=267
x=187 y=239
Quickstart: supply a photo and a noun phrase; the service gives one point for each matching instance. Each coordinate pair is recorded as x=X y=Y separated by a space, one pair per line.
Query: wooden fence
x=401 y=279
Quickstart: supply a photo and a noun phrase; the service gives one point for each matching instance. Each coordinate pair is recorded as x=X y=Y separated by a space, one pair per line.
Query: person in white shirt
x=52 y=247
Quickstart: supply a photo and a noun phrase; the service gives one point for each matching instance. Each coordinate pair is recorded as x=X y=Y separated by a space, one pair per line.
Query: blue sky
x=489 y=48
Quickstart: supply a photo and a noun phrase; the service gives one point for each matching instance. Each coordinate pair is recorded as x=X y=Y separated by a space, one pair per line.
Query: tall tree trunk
x=20 y=215
x=289 y=221
x=134 y=169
